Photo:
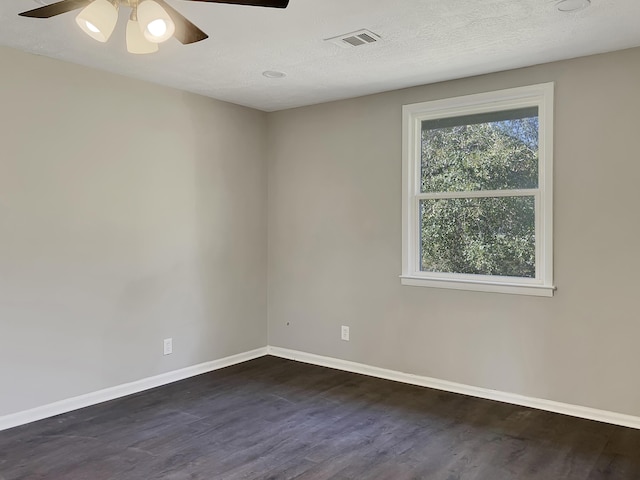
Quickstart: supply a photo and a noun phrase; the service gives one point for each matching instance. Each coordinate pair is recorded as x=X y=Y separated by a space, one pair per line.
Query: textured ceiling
x=423 y=41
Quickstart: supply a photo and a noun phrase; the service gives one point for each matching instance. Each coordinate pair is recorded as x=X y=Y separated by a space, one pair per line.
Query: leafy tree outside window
x=477 y=206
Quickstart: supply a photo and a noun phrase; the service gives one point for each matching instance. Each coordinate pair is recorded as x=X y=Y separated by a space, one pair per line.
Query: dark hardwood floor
x=276 y=419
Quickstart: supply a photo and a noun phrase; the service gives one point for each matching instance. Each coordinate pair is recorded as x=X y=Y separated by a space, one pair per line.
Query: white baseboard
x=93 y=398
x=540 y=404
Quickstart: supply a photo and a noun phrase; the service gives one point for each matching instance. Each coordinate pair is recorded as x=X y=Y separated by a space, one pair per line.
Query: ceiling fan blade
x=54 y=9
x=186 y=32
x=255 y=3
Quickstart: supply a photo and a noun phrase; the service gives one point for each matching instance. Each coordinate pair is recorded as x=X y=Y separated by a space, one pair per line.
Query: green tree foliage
x=488 y=235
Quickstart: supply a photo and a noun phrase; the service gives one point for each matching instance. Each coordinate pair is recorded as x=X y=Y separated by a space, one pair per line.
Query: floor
x=272 y=418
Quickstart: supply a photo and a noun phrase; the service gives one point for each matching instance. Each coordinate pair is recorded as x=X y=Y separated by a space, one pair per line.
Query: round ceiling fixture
x=573 y=5
x=273 y=74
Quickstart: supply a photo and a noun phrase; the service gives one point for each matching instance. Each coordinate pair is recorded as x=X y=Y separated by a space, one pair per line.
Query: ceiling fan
x=151 y=21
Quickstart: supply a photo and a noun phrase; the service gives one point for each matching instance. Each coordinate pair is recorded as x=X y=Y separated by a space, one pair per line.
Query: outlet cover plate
x=168 y=346
x=345 y=333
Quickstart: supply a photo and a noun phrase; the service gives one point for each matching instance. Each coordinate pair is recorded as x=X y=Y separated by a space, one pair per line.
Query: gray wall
x=128 y=213
x=335 y=245
x=131 y=212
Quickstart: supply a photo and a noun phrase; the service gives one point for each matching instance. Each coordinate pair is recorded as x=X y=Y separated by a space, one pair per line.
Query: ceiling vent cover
x=355 y=39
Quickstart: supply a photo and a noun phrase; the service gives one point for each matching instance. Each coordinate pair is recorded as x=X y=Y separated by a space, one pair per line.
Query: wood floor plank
x=277 y=419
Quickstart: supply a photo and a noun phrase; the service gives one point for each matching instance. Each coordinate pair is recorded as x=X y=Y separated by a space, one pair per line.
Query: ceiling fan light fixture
x=136 y=41
x=155 y=23
x=98 y=19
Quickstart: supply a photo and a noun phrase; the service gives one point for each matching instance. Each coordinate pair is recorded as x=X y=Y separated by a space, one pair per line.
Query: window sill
x=477 y=286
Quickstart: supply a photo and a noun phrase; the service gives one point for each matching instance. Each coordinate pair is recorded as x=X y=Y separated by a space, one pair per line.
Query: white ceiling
x=423 y=41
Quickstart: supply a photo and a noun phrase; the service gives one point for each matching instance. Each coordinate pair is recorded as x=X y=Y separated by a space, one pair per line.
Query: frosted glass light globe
x=98 y=19
x=155 y=22
x=136 y=43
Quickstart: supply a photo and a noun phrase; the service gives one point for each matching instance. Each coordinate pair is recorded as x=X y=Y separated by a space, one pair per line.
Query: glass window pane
x=488 y=151
x=480 y=236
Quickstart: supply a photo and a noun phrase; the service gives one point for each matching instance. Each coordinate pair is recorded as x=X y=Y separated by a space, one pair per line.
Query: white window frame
x=540 y=96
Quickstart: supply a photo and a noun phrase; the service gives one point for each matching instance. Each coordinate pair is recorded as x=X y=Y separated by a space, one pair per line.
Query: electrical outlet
x=345 y=333
x=168 y=346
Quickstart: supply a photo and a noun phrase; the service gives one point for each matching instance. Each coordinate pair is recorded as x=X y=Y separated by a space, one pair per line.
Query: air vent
x=355 y=39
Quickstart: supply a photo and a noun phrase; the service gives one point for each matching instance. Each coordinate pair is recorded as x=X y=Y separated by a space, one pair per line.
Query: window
x=477 y=192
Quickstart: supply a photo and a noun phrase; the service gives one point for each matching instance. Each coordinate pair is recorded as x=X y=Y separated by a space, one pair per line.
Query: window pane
x=489 y=151
x=480 y=236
